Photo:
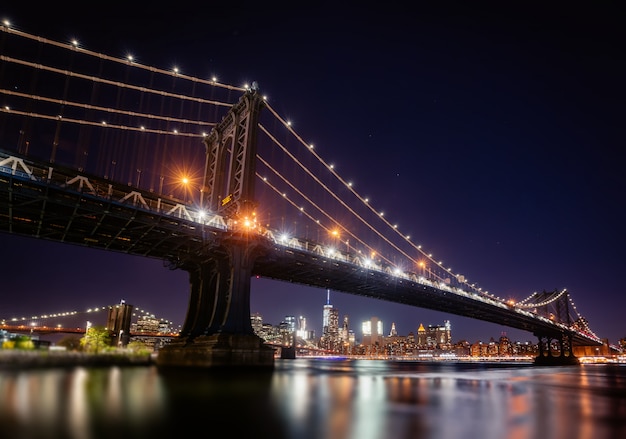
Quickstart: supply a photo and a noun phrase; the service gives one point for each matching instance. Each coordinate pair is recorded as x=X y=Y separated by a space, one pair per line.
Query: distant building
x=347 y=336
x=393 y=331
x=372 y=332
x=422 y=338
x=257 y=323
x=435 y=336
x=505 y=347
x=287 y=329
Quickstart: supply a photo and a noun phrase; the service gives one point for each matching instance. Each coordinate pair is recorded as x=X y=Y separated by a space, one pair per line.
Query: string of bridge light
x=57 y=117
x=75 y=313
x=366 y=202
x=101 y=124
x=317 y=221
x=118 y=84
x=104 y=109
x=578 y=317
x=109 y=110
x=6 y=27
x=307 y=214
x=523 y=301
x=551 y=299
x=130 y=59
x=328 y=190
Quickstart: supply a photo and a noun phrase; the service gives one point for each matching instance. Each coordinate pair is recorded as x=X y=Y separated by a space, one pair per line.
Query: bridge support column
x=548 y=357
x=218 y=332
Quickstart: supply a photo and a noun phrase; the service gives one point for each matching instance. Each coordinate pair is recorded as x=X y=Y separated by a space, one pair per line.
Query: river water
x=317 y=399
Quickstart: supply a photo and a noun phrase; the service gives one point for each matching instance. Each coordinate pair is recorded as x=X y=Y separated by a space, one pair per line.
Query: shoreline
x=34 y=359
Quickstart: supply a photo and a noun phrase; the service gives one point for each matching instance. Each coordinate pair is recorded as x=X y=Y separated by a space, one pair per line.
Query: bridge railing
x=108 y=191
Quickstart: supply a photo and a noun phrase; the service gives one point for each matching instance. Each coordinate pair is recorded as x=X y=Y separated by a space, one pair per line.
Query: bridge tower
x=229 y=174
x=218 y=332
x=555 y=306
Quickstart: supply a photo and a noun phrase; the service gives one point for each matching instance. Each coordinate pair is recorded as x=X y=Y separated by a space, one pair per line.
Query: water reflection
x=310 y=398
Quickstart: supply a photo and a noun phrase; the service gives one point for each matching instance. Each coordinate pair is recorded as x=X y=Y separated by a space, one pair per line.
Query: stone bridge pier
x=563 y=356
x=217 y=332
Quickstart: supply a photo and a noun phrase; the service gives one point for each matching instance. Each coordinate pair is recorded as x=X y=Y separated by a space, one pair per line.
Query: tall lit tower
x=421 y=336
x=302 y=332
x=372 y=331
x=257 y=323
x=345 y=330
x=330 y=326
x=326 y=313
x=287 y=330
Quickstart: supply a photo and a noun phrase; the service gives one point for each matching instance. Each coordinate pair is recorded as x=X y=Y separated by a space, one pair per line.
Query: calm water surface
x=318 y=398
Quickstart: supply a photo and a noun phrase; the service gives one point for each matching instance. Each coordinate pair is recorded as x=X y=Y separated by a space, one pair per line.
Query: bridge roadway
x=60 y=205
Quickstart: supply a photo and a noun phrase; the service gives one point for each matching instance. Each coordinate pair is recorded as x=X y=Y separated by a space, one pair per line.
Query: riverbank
x=44 y=358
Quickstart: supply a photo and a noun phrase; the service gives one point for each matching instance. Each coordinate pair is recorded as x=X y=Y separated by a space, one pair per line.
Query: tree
x=70 y=342
x=139 y=348
x=19 y=342
x=96 y=338
x=24 y=342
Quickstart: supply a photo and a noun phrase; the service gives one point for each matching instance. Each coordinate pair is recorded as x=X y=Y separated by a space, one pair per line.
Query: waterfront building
x=504 y=345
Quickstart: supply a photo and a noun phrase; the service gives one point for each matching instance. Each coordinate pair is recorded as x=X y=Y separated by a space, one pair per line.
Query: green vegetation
x=96 y=339
x=139 y=348
x=94 y=347
x=70 y=343
x=22 y=342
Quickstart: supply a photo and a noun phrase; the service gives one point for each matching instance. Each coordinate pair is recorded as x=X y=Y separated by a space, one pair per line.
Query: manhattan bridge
x=108 y=153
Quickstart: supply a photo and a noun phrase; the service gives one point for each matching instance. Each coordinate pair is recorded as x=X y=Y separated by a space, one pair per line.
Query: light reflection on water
x=318 y=399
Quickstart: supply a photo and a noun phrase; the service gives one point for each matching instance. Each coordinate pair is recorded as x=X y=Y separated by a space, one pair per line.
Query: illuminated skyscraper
x=435 y=335
x=330 y=326
x=372 y=331
x=257 y=323
x=287 y=330
x=301 y=331
x=326 y=314
x=422 y=338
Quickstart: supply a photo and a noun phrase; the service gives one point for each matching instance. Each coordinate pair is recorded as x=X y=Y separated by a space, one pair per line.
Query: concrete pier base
x=562 y=360
x=287 y=352
x=217 y=351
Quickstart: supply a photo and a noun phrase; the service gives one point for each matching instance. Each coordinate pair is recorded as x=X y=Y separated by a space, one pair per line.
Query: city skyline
x=356 y=324
x=490 y=133
x=99 y=315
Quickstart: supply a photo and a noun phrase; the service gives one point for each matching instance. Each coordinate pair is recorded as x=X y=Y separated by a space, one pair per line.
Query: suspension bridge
x=77 y=322
x=108 y=153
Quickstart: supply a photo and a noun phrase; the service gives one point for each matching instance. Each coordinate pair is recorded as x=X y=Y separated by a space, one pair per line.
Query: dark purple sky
x=495 y=132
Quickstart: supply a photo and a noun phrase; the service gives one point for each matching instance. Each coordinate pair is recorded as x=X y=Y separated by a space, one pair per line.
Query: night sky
x=492 y=130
